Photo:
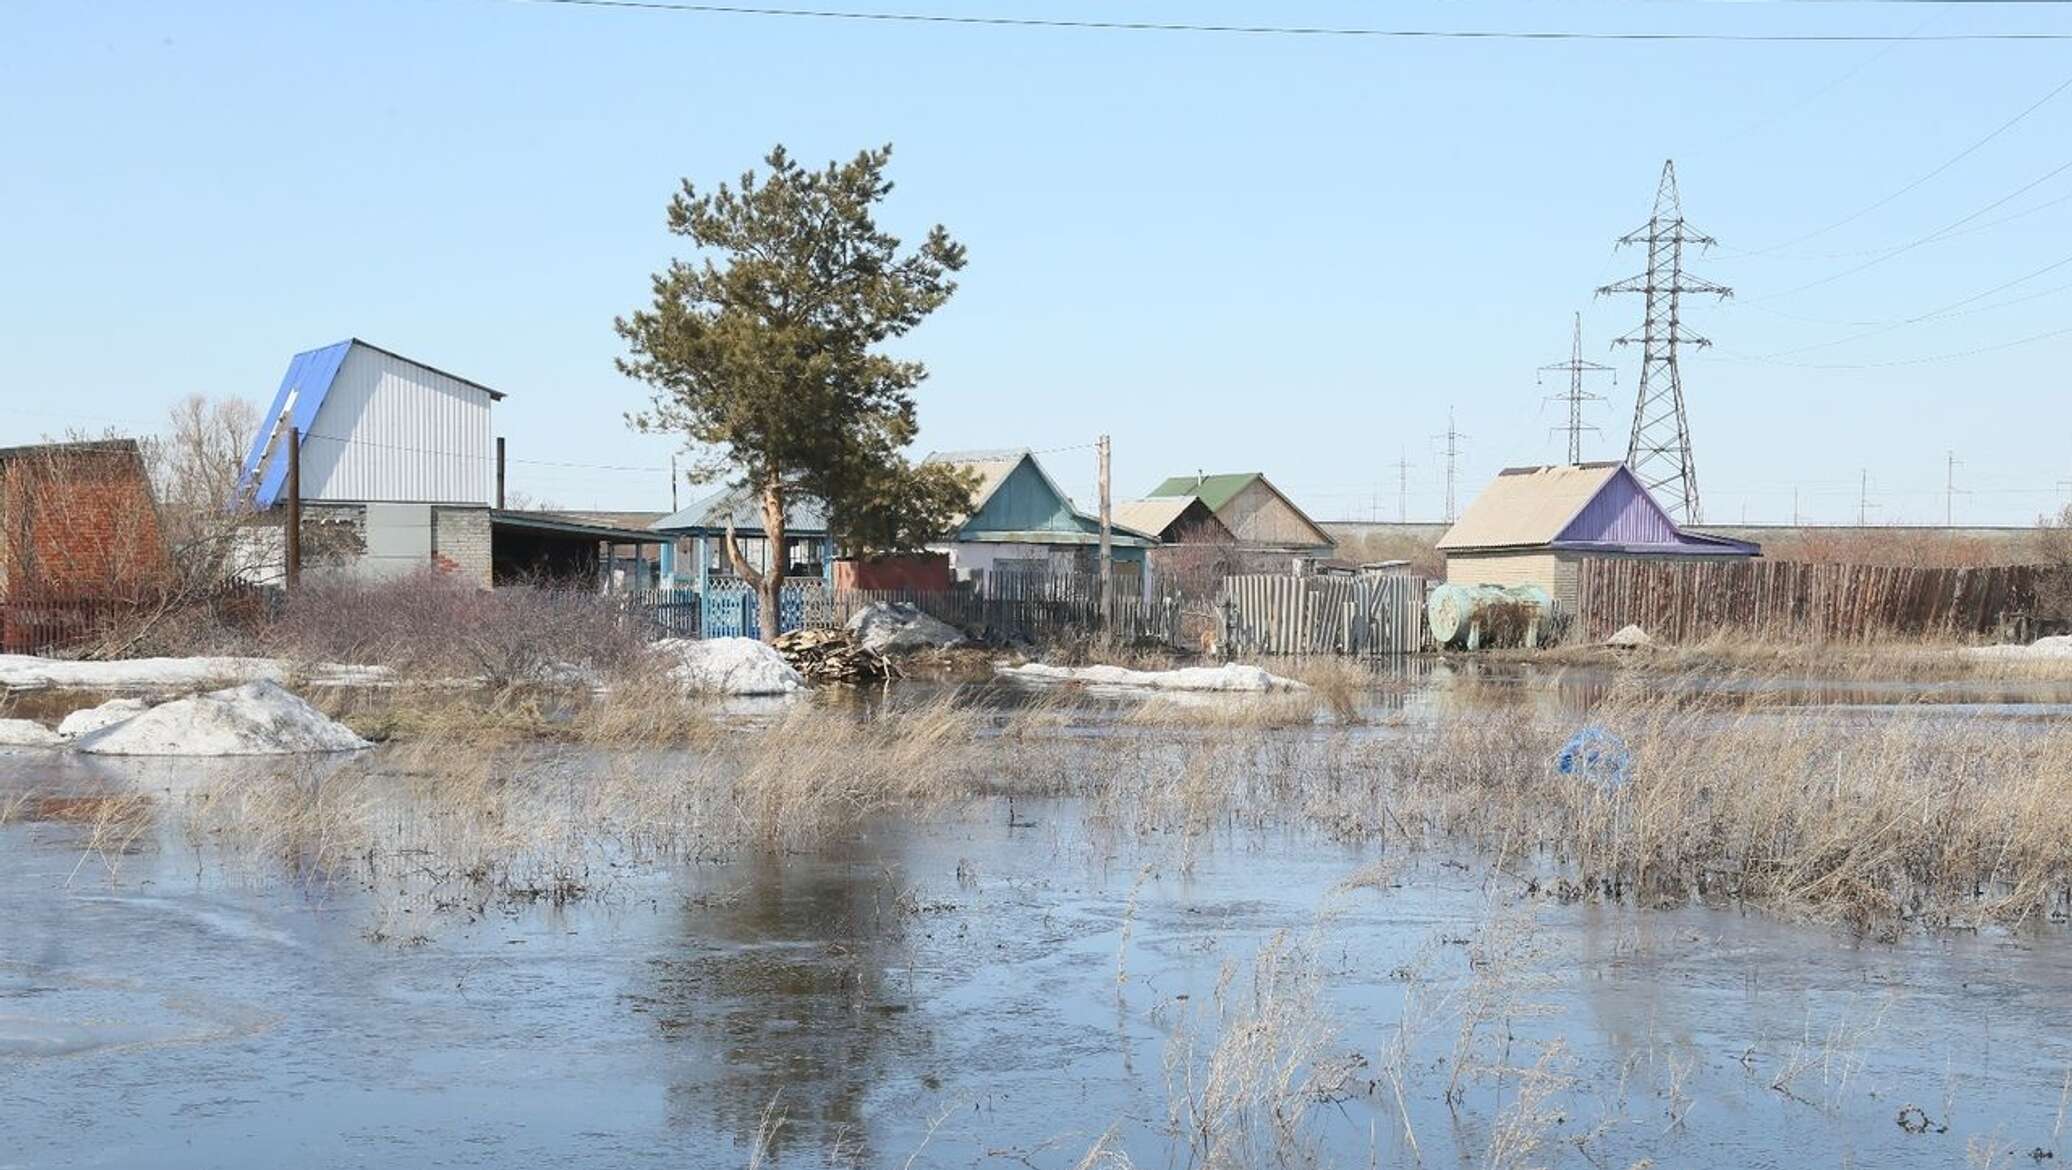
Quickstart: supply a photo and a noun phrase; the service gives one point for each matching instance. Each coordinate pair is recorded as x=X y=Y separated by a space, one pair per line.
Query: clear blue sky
x=1230 y=252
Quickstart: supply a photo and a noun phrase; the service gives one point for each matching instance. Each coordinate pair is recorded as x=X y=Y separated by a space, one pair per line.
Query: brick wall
x=80 y=523
x=461 y=543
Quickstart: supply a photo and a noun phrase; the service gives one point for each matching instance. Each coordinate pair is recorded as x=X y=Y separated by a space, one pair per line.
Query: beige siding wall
x=1520 y=568
x=1257 y=516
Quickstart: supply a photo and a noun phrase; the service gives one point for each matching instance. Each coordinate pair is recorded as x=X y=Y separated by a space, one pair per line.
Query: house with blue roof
x=400 y=469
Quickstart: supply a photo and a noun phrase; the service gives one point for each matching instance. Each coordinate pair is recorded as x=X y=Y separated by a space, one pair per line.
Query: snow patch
x=2059 y=646
x=256 y=719
x=1228 y=677
x=88 y=720
x=27 y=733
x=28 y=672
x=728 y=666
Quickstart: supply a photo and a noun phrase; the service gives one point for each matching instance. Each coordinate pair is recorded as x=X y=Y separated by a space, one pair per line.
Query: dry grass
x=1890 y=659
x=1911 y=816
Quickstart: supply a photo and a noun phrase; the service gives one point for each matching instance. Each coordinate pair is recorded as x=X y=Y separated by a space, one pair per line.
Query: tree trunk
x=771 y=588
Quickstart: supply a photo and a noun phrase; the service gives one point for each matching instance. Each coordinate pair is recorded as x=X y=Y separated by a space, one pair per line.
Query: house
x=79 y=529
x=1534 y=525
x=694 y=551
x=1256 y=512
x=400 y=470
x=1022 y=525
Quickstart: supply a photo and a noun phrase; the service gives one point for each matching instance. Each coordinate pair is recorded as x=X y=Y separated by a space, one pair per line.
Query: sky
x=1290 y=254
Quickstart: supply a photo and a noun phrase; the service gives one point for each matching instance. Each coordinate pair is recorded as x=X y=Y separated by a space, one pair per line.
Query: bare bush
x=427 y=624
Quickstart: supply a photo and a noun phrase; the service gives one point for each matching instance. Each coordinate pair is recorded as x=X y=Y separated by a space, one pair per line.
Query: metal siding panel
x=391 y=430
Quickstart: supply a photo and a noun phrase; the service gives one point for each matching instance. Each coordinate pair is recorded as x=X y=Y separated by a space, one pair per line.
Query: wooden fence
x=1373 y=616
x=1686 y=601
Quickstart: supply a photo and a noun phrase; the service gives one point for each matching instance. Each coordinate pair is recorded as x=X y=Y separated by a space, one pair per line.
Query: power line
x=1953 y=309
x=1952 y=161
x=1276 y=30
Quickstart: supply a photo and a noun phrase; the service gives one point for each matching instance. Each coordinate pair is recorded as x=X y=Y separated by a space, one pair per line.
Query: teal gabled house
x=1021 y=525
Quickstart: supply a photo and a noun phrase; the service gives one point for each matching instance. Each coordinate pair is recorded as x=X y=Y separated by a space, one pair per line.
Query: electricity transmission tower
x=1660 y=450
x=1402 y=487
x=1453 y=438
x=1576 y=395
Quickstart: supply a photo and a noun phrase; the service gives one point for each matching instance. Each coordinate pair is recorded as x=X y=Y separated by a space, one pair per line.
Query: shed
x=1258 y=514
x=1533 y=525
x=79 y=539
x=1022 y=524
x=557 y=549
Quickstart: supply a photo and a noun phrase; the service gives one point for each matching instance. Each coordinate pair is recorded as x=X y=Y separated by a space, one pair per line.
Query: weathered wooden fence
x=1374 y=616
x=1686 y=601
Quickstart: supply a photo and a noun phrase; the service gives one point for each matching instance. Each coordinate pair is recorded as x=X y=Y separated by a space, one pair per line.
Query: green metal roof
x=1214 y=490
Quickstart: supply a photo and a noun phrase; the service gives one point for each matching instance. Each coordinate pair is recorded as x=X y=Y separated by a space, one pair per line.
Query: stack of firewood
x=833 y=656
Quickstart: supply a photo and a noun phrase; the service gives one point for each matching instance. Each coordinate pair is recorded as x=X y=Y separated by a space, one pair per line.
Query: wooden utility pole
x=499 y=473
x=672 y=485
x=294 y=573
x=1107 y=543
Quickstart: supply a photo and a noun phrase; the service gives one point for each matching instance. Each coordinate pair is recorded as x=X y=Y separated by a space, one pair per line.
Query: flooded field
x=1124 y=933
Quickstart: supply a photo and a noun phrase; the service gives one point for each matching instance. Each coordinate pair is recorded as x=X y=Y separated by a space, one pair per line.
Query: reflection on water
x=992 y=992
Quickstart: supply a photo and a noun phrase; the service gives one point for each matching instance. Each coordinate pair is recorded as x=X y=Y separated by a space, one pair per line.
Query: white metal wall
x=392 y=431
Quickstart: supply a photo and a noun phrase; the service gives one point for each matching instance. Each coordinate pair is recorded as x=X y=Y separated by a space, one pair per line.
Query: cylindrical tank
x=1475 y=616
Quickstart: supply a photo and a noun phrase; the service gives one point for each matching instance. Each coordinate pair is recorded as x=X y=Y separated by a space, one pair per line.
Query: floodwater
x=1003 y=988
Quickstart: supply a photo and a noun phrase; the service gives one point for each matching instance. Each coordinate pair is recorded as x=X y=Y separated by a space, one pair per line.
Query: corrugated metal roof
x=1155 y=516
x=1587 y=507
x=803 y=516
x=1117 y=538
x=1214 y=490
x=1527 y=506
x=992 y=468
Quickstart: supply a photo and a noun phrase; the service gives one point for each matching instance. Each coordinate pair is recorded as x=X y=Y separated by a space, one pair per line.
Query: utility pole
x=294 y=573
x=1659 y=451
x=499 y=473
x=1107 y=549
x=1402 y=487
x=1794 y=507
x=672 y=484
x=1949 y=488
x=1576 y=395
x=1863 y=499
x=1453 y=438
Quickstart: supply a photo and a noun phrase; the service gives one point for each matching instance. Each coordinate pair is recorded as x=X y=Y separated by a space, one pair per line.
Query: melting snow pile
x=25 y=671
x=27 y=733
x=900 y=627
x=729 y=666
x=256 y=719
x=1228 y=677
x=88 y=720
x=2056 y=647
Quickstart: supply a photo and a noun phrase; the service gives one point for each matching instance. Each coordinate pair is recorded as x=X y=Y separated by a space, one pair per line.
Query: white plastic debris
x=27 y=733
x=256 y=719
x=27 y=672
x=88 y=720
x=1228 y=677
x=729 y=666
x=900 y=628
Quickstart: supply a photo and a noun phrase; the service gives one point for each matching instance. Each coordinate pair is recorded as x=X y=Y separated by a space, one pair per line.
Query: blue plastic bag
x=1595 y=755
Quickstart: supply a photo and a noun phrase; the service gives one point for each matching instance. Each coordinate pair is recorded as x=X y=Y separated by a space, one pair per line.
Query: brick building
x=79 y=538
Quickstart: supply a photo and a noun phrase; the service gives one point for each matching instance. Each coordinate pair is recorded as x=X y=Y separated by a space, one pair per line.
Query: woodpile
x=833 y=656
